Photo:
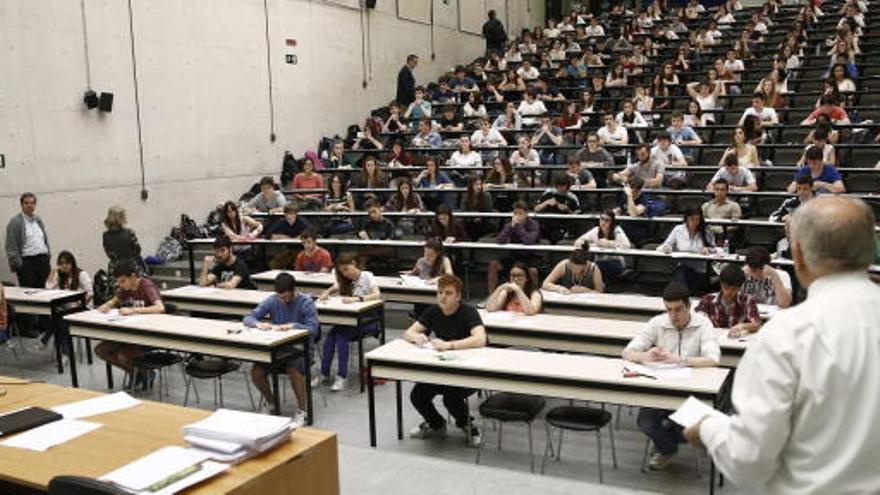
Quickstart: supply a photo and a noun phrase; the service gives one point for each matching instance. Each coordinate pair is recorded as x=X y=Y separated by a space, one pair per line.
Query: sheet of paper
x=46 y=292
x=98 y=405
x=426 y=348
x=50 y=435
x=692 y=411
x=155 y=467
x=502 y=315
x=413 y=281
x=202 y=291
x=582 y=296
x=669 y=370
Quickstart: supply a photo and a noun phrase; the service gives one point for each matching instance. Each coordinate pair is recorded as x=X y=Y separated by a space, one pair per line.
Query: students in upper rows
x=287 y=310
x=738 y=178
x=269 y=200
x=678 y=336
x=289 y=227
x=731 y=308
x=433 y=262
x=803 y=187
x=520 y=230
x=766 y=284
x=644 y=167
x=238 y=227
x=576 y=274
x=225 y=270
x=520 y=294
x=312 y=258
x=354 y=285
x=606 y=235
x=445 y=228
x=455 y=326
x=135 y=295
x=826 y=178
x=691 y=236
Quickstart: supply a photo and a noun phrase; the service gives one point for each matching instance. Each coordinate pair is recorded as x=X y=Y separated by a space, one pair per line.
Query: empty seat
x=582 y=419
x=507 y=407
x=862 y=182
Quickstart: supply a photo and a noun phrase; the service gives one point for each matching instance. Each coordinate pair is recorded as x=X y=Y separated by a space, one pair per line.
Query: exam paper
x=98 y=405
x=413 y=281
x=138 y=475
x=50 y=435
x=692 y=411
x=662 y=370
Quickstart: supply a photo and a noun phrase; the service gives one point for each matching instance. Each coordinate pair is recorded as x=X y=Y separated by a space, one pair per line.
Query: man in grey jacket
x=27 y=244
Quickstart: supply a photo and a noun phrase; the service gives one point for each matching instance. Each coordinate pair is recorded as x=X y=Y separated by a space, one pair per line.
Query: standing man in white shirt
x=27 y=244
x=678 y=336
x=807 y=393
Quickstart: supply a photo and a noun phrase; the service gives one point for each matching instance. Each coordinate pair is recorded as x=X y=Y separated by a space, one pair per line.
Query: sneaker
x=424 y=431
x=299 y=418
x=472 y=433
x=319 y=380
x=659 y=462
x=338 y=384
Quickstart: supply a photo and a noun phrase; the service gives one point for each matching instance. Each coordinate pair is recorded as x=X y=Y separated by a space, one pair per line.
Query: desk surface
x=541 y=365
x=254 y=297
x=192 y=328
x=133 y=433
x=327 y=279
x=38 y=296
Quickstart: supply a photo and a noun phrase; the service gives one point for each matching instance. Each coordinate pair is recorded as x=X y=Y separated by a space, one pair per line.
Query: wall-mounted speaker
x=105 y=104
x=90 y=98
x=370 y=4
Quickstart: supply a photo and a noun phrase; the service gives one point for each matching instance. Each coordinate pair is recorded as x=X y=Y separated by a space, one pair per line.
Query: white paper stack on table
x=232 y=436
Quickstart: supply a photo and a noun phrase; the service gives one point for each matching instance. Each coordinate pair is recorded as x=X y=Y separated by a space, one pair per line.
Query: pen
x=173 y=478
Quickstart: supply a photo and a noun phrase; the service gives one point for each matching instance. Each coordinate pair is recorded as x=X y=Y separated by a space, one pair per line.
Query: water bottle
x=726 y=247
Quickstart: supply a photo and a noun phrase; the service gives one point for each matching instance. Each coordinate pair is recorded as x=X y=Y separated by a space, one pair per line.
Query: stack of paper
x=692 y=411
x=415 y=282
x=231 y=436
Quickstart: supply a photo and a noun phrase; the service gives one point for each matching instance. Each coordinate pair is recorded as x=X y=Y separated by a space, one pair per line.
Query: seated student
x=450 y=121
x=607 y=235
x=738 y=178
x=477 y=199
x=225 y=270
x=287 y=310
x=487 y=136
x=766 y=115
x=763 y=282
x=269 y=200
x=135 y=295
x=593 y=155
x=644 y=167
x=445 y=228
x=691 y=236
x=308 y=179
x=665 y=154
x=66 y=276
x=678 y=336
x=520 y=295
x=376 y=226
x=312 y=258
x=520 y=230
x=420 y=108
x=289 y=227
x=455 y=325
x=560 y=200
x=635 y=202
x=828 y=105
x=721 y=206
x=682 y=135
x=433 y=262
x=820 y=137
x=731 y=308
x=826 y=178
x=426 y=137
x=804 y=190
x=354 y=285
x=581 y=178
x=405 y=199
x=575 y=275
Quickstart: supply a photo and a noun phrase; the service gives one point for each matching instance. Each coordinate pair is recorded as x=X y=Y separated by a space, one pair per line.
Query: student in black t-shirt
x=228 y=270
x=455 y=326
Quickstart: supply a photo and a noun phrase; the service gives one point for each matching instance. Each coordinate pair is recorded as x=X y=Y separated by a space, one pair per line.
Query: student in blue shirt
x=826 y=178
x=287 y=310
x=682 y=135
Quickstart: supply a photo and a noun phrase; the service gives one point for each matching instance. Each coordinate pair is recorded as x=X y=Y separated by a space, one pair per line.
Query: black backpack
x=290 y=166
x=101 y=287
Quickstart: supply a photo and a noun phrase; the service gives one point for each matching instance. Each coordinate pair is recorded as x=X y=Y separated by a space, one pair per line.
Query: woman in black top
x=120 y=244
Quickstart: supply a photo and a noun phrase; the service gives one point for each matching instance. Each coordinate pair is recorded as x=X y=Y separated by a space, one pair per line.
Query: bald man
x=807 y=393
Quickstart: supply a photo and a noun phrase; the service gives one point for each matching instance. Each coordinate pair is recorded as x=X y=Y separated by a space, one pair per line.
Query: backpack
x=253 y=191
x=101 y=288
x=170 y=249
x=189 y=229
x=290 y=166
x=213 y=225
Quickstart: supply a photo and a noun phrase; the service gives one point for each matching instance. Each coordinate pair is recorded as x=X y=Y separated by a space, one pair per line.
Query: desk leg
x=192 y=263
x=361 y=359
x=276 y=397
x=307 y=344
x=56 y=329
x=109 y=375
x=371 y=401
x=382 y=324
x=74 y=380
x=711 y=477
x=89 y=350
x=399 y=392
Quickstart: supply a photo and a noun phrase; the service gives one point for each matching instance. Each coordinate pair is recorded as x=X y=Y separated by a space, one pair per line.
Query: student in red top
x=829 y=106
x=312 y=258
x=136 y=295
x=4 y=317
x=308 y=179
x=731 y=308
x=520 y=295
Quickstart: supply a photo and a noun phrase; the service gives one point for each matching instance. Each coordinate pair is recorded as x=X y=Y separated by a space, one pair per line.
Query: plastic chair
x=578 y=418
x=507 y=407
x=78 y=485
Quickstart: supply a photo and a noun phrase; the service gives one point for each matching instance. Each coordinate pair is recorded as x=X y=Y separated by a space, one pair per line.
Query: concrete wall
x=203 y=82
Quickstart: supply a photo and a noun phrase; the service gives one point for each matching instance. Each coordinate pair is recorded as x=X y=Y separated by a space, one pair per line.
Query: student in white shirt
x=611 y=133
x=594 y=29
x=691 y=236
x=486 y=136
x=681 y=337
x=465 y=156
x=767 y=115
x=531 y=106
x=665 y=154
x=806 y=395
x=527 y=71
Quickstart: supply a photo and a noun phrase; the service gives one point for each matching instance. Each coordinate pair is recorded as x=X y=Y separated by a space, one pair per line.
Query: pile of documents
x=232 y=436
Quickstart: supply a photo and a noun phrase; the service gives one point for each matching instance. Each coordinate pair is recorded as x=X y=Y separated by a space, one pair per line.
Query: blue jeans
x=665 y=434
x=337 y=340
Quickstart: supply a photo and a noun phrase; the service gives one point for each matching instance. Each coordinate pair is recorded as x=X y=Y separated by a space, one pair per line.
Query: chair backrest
x=78 y=485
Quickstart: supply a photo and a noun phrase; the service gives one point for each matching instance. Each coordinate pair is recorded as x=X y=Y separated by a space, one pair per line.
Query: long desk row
x=308 y=461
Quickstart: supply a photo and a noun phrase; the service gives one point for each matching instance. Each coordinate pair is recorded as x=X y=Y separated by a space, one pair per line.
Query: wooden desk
x=580 y=334
x=309 y=461
x=198 y=335
x=52 y=303
x=239 y=302
x=392 y=288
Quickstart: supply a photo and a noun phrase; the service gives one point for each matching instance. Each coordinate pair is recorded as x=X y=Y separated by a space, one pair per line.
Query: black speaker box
x=105 y=104
x=90 y=99
x=371 y=4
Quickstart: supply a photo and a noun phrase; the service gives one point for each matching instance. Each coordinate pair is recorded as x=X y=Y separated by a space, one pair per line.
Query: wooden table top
x=255 y=297
x=38 y=296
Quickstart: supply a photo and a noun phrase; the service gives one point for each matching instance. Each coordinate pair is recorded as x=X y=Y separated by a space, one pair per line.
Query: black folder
x=26 y=419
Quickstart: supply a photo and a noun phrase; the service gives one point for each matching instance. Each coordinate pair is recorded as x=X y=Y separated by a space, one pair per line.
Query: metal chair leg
x=188 y=384
x=645 y=454
x=247 y=383
x=531 y=452
x=548 y=447
x=599 y=452
x=500 y=430
x=220 y=385
x=480 y=448
x=559 y=445
x=613 y=449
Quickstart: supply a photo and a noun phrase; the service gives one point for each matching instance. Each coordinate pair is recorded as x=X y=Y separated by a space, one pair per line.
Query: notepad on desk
x=165 y=471
x=49 y=435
